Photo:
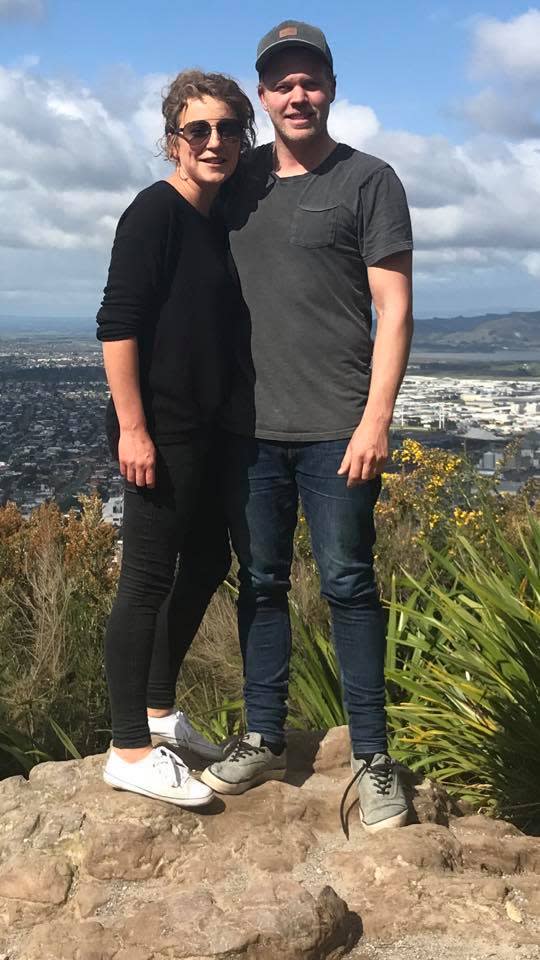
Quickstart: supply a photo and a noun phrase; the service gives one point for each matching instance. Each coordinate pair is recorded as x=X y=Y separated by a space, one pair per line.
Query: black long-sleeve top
x=171 y=285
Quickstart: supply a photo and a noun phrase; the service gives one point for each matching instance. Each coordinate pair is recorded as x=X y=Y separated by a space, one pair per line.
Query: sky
x=448 y=93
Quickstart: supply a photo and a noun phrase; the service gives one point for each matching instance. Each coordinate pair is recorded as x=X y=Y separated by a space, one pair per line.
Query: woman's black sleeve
x=132 y=292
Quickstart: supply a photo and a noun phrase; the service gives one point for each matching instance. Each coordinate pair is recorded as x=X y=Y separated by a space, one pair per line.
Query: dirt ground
x=433 y=947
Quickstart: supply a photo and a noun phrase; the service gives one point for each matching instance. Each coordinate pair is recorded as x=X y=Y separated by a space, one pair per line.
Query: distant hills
x=516 y=330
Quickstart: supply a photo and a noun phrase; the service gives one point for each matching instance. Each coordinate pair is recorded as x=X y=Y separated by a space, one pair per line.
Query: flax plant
x=466 y=664
x=314 y=690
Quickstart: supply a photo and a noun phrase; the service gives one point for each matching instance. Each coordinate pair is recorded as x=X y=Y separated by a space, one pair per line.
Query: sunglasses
x=198 y=131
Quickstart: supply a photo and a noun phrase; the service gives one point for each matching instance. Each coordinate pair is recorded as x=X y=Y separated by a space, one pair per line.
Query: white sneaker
x=177 y=731
x=161 y=775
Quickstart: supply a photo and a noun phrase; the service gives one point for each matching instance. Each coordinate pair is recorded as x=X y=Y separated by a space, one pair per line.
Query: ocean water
x=480 y=357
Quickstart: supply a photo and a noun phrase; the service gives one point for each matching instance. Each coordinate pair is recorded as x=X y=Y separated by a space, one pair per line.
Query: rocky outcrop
x=88 y=873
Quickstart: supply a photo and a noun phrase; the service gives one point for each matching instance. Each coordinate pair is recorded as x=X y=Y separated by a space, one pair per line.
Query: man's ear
x=262 y=96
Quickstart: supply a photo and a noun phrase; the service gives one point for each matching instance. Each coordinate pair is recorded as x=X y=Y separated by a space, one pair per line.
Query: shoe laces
x=170 y=768
x=379 y=773
x=242 y=748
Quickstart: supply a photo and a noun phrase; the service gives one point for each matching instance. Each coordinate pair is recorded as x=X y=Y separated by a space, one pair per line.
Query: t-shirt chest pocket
x=314 y=226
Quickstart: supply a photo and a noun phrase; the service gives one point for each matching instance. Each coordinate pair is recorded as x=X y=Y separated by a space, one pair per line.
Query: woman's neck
x=199 y=197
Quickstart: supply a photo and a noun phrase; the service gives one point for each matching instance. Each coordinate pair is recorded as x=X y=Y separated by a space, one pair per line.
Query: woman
x=166 y=325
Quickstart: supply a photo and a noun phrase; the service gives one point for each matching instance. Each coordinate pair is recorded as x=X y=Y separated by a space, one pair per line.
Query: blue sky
x=407 y=60
x=447 y=92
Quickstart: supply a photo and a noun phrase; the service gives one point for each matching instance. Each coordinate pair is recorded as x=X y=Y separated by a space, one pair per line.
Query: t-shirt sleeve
x=135 y=270
x=384 y=222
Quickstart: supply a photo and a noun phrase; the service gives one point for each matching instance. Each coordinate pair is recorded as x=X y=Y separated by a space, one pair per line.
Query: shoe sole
x=189 y=802
x=157 y=738
x=221 y=786
x=399 y=820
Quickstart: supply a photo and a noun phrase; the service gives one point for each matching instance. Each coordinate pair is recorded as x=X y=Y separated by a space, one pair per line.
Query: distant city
x=52 y=411
x=53 y=399
x=469 y=406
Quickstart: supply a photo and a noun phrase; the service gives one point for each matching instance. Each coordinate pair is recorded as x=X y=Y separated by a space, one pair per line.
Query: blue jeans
x=263 y=480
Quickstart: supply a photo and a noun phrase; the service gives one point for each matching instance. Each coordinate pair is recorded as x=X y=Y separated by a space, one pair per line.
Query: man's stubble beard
x=306 y=135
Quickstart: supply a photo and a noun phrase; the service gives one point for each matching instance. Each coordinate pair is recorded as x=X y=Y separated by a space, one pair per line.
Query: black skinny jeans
x=151 y=627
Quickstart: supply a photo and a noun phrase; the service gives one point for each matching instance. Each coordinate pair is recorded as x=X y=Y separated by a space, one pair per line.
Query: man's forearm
x=389 y=362
x=390 y=285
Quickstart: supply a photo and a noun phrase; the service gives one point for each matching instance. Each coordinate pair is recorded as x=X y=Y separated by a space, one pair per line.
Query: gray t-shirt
x=302 y=246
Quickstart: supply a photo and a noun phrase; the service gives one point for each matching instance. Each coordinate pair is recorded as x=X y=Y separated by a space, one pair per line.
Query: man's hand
x=137 y=457
x=390 y=285
x=366 y=453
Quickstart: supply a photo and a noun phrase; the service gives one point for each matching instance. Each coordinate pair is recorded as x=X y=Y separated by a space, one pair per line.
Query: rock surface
x=88 y=873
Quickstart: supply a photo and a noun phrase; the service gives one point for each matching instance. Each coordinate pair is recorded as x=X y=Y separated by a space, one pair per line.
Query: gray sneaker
x=248 y=764
x=176 y=731
x=381 y=798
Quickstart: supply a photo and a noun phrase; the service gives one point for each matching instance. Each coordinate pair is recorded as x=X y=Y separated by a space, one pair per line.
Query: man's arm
x=390 y=281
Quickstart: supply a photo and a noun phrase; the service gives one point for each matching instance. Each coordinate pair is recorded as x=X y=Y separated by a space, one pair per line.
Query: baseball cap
x=292 y=33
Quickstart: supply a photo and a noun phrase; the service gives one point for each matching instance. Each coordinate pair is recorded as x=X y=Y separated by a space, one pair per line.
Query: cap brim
x=283 y=45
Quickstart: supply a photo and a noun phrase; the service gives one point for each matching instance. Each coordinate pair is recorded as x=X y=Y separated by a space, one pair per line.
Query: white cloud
x=508 y=52
x=71 y=159
x=63 y=136
x=21 y=9
x=352 y=123
x=435 y=171
x=511 y=47
x=494 y=213
x=67 y=165
x=532 y=264
x=496 y=112
x=146 y=117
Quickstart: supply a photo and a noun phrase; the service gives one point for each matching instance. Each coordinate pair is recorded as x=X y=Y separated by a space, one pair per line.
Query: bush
x=57 y=577
x=469 y=672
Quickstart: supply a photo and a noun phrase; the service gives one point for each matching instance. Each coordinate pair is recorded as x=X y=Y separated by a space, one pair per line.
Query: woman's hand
x=136 y=451
x=137 y=457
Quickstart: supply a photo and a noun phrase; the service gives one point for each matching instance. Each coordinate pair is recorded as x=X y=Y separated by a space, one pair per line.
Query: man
x=318 y=231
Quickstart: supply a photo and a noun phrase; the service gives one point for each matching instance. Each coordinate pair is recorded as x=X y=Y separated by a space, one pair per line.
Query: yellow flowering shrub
x=431 y=493
x=429 y=482
x=434 y=496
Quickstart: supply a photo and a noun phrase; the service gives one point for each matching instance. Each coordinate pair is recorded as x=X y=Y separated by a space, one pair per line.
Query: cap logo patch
x=289 y=32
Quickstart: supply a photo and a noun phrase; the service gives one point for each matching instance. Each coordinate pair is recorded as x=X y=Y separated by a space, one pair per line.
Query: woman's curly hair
x=193 y=85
